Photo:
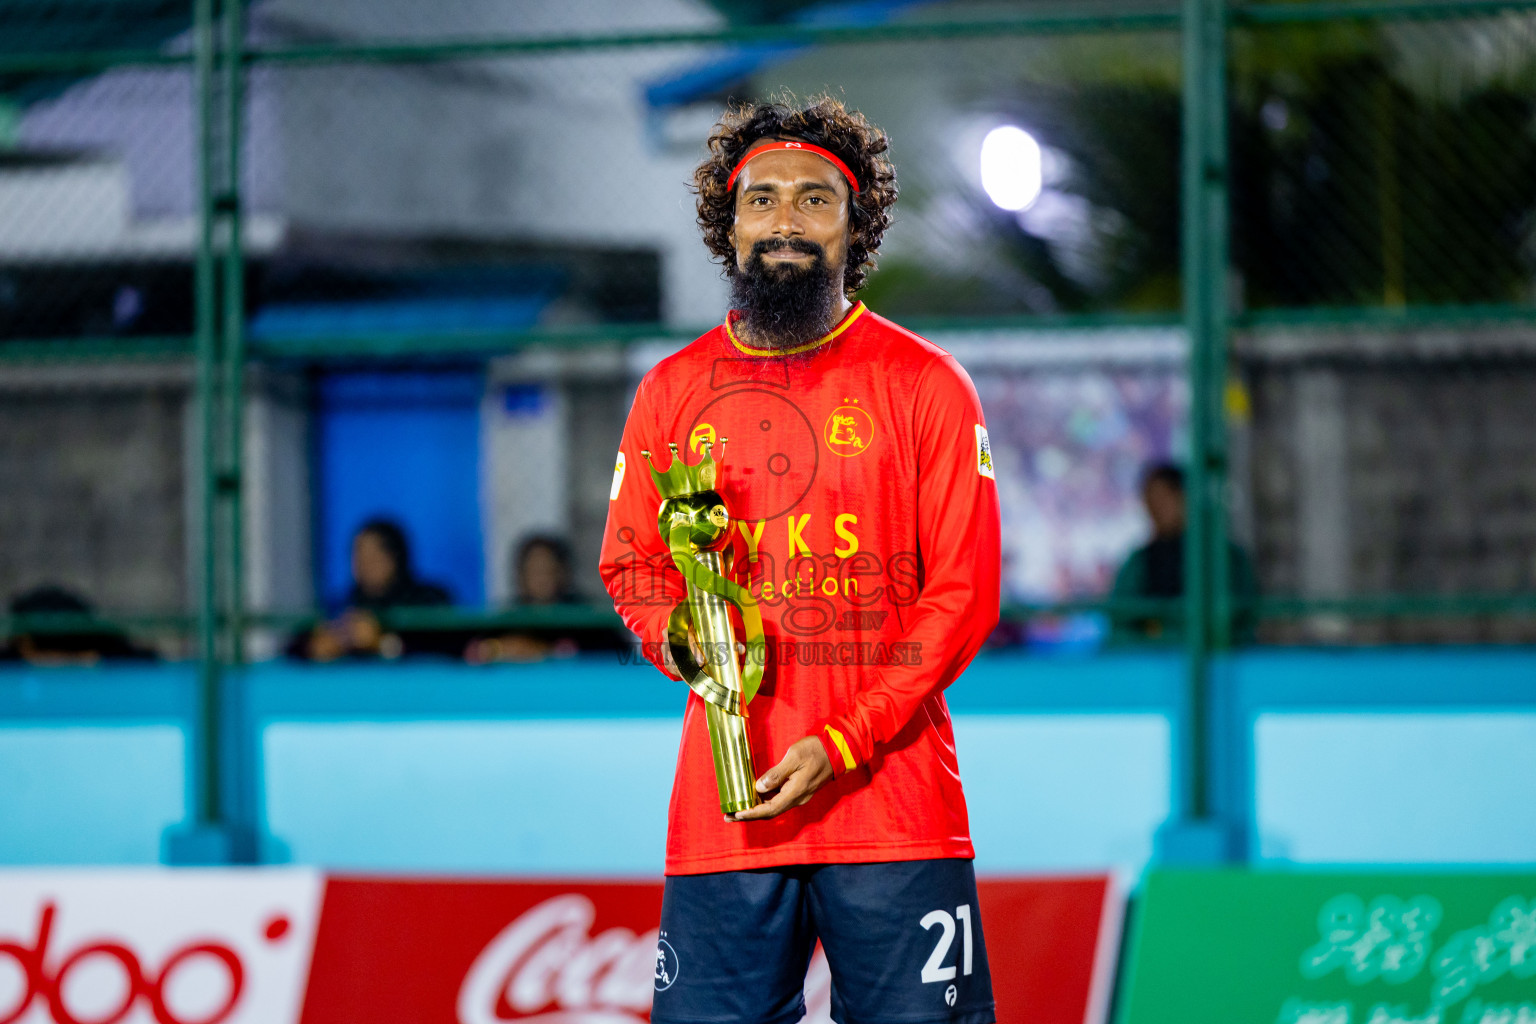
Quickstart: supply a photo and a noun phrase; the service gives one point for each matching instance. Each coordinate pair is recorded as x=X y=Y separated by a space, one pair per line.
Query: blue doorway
x=404 y=445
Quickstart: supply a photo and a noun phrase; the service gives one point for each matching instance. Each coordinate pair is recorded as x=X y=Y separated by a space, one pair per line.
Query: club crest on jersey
x=849 y=430
x=984 y=453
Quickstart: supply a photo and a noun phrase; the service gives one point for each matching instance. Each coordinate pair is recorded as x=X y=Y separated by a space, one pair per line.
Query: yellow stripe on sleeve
x=842 y=748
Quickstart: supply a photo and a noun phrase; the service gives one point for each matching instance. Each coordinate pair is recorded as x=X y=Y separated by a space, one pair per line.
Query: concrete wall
x=98 y=487
x=91 y=483
x=1396 y=463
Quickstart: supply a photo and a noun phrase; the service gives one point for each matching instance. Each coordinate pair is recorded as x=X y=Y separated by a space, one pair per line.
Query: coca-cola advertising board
x=289 y=946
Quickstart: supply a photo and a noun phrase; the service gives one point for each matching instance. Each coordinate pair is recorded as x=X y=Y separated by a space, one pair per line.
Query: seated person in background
x=383 y=579
x=541 y=571
x=1156 y=569
x=49 y=644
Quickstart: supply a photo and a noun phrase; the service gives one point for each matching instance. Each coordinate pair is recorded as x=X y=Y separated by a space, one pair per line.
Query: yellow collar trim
x=852 y=315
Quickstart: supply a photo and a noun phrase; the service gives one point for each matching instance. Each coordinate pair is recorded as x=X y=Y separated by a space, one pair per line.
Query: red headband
x=802 y=146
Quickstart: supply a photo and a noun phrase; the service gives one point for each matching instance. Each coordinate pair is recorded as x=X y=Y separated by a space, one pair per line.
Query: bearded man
x=860 y=480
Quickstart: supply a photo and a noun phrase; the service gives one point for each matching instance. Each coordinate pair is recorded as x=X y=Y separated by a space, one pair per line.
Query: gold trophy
x=695 y=525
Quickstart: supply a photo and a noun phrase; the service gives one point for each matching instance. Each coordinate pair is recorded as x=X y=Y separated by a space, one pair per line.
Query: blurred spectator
x=383 y=579
x=1156 y=569
x=58 y=642
x=541 y=570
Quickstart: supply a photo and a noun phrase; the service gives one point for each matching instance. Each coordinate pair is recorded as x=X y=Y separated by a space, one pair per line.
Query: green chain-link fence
x=1381 y=226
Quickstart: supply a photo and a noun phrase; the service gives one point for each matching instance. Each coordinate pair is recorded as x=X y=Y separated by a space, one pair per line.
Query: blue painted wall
x=404 y=445
x=1335 y=757
x=93 y=762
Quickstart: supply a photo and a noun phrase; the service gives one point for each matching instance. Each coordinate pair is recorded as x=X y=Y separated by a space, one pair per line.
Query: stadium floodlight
x=1010 y=167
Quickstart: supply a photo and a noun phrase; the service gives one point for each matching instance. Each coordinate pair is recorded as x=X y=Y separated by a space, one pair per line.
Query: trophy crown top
x=681 y=478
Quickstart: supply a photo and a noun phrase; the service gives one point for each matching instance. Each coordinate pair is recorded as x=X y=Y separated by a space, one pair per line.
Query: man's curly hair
x=824 y=122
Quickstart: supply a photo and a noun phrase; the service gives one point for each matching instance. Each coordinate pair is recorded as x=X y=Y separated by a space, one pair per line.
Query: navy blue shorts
x=903 y=941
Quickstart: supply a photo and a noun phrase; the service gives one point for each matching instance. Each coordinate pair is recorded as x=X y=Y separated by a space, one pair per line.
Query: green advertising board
x=1238 y=947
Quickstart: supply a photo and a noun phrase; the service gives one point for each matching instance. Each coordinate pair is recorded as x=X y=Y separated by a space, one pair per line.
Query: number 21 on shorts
x=932 y=971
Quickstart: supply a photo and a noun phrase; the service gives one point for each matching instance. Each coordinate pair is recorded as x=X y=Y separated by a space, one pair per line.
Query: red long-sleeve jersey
x=859 y=479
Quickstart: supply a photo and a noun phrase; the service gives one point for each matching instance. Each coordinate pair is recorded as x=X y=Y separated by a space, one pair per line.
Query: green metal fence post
x=1196 y=274
x=211 y=837
x=1210 y=382
x=198 y=841
x=207 y=341
x=228 y=205
x=1194 y=834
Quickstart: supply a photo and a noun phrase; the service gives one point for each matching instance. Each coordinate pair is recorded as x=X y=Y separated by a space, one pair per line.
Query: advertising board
x=1215 y=947
x=291 y=946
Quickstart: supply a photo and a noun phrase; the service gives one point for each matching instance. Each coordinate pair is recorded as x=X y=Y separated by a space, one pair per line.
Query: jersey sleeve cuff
x=834 y=740
x=653 y=642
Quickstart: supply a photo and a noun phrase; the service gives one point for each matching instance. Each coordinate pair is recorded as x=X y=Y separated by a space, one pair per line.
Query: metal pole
x=208 y=803
x=1204 y=259
x=1218 y=228
x=229 y=207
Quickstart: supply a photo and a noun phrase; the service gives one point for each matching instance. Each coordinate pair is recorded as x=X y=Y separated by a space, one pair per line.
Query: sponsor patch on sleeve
x=984 y=453
x=618 y=478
